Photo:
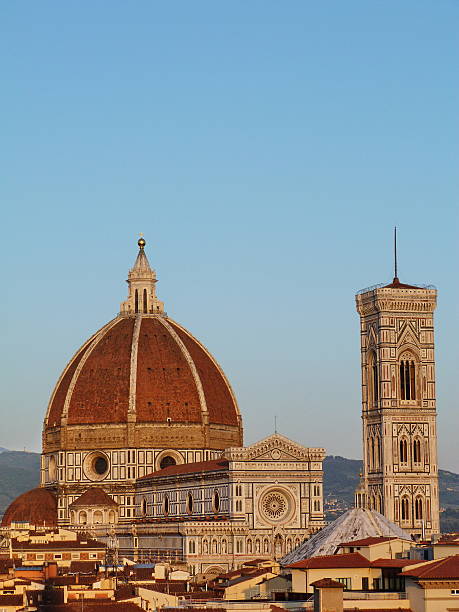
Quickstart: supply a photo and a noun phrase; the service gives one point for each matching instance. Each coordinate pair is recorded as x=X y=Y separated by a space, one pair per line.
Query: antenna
x=275 y=424
x=395 y=254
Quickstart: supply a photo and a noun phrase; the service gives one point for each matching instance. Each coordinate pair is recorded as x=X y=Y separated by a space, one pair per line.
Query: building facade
x=400 y=471
x=255 y=501
x=143 y=444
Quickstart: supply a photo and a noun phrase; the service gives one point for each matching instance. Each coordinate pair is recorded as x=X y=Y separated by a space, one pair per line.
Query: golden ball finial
x=141 y=241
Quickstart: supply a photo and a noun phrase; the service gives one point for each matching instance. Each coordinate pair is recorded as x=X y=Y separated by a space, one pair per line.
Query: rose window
x=275 y=505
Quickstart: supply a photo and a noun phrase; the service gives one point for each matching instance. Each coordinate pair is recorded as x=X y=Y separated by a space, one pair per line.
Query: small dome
x=37 y=507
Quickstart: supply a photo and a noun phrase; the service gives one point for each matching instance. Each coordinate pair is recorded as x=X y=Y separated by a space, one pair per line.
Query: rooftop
x=331 y=561
x=213 y=465
x=370 y=541
x=442 y=569
x=94 y=496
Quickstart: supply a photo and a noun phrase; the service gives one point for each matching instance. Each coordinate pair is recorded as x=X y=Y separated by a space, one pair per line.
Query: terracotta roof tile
x=58 y=545
x=394 y=562
x=166 y=387
x=83 y=567
x=212 y=465
x=331 y=561
x=174 y=375
x=396 y=284
x=220 y=402
x=58 y=400
x=37 y=507
x=94 y=496
x=368 y=541
x=442 y=569
x=327 y=583
x=101 y=393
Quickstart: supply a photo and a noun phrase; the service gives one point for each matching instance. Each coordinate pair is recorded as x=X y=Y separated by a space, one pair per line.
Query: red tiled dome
x=145 y=369
x=37 y=507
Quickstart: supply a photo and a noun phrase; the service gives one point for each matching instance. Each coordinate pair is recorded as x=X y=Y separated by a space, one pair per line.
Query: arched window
x=189 y=503
x=167 y=461
x=83 y=518
x=403 y=451
x=378 y=453
x=192 y=547
x=373 y=378
x=136 y=301
x=97 y=517
x=166 y=505
x=216 y=502
x=145 y=303
x=417 y=451
x=405 y=513
x=407 y=379
x=418 y=508
x=373 y=455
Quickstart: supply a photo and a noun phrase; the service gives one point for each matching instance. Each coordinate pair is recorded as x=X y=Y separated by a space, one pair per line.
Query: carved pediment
x=372 y=338
x=408 y=335
x=275 y=448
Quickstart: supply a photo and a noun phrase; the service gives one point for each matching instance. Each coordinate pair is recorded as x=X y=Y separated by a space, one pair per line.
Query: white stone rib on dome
x=355 y=524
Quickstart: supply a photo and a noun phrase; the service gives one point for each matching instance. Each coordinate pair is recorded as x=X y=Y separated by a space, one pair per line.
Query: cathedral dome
x=37 y=507
x=141 y=380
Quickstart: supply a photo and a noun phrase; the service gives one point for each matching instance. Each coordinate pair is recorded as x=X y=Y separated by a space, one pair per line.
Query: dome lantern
x=142 y=291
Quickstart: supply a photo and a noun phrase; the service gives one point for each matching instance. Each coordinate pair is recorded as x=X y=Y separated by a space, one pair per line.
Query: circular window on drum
x=96 y=465
x=275 y=506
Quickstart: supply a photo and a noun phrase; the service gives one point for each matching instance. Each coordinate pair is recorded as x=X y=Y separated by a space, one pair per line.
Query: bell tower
x=400 y=472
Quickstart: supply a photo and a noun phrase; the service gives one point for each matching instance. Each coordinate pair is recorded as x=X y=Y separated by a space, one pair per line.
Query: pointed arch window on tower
x=403 y=451
x=373 y=377
x=417 y=457
x=405 y=512
x=145 y=302
x=407 y=379
x=378 y=453
x=418 y=509
x=136 y=301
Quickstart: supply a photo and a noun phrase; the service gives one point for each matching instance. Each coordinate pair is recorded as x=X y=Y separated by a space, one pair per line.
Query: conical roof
x=354 y=524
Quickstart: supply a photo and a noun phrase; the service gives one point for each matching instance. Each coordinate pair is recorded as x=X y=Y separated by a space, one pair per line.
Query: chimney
x=328 y=595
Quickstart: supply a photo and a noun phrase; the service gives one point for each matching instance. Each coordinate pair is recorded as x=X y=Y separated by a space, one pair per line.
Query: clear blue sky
x=266 y=150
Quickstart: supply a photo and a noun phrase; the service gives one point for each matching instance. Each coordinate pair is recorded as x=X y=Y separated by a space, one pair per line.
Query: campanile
x=400 y=472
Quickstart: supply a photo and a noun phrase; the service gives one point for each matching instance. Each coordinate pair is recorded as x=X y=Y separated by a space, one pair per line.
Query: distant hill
x=20 y=472
x=341 y=476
